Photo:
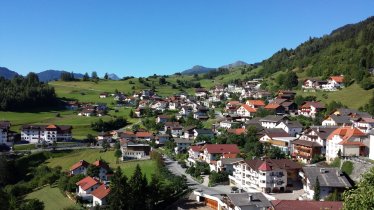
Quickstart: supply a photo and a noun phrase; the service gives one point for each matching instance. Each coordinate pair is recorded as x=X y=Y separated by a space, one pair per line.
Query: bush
x=347 y=167
x=336 y=163
x=220 y=177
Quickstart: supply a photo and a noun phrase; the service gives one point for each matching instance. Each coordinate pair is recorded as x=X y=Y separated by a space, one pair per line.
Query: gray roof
x=204 y=131
x=341 y=119
x=331 y=177
x=293 y=124
x=243 y=201
x=322 y=132
x=182 y=141
x=226 y=161
x=344 y=111
x=272 y=118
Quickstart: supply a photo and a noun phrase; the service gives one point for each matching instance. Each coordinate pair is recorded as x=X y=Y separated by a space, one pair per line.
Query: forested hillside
x=348 y=50
x=23 y=93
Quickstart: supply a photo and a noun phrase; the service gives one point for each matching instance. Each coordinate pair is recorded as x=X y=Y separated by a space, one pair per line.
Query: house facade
x=46 y=133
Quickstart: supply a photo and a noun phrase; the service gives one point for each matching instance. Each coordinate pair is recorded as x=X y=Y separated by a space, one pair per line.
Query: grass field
x=353 y=96
x=90 y=155
x=52 y=198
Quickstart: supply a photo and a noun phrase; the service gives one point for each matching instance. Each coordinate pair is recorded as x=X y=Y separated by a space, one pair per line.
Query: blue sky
x=142 y=38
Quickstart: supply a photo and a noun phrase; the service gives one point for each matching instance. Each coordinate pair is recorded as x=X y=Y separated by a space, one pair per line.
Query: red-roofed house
x=334 y=83
x=79 y=168
x=213 y=152
x=87 y=185
x=246 y=111
x=100 y=195
x=349 y=140
x=144 y=135
x=194 y=152
x=255 y=103
x=269 y=175
x=276 y=108
x=311 y=108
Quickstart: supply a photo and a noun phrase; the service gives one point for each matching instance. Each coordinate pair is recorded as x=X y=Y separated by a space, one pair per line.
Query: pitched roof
x=237 y=131
x=256 y=102
x=273 y=164
x=222 y=148
x=87 y=183
x=257 y=201
x=204 y=131
x=101 y=192
x=79 y=164
x=346 y=133
x=306 y=143
x=272 y=106
x=196 y=148
x=327 y=177
x=143 y=134
x=264 y=167
x=101 y=164
x=292 y=124
x=338 y=79
x=276 y=132
x=302 y=204
x=315 y=104
x=272 y=118
x=248 y=108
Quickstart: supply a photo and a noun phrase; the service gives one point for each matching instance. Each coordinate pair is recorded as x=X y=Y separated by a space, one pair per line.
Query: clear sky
x=142 y=38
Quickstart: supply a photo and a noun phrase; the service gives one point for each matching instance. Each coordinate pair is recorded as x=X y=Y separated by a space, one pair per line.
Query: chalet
x=46 y=133
x=226 y=165
x=103 y=169
x=194 y=152
x=201 y=92
x=162 y=138
x=275 y=108
x=100 y=195
x=87 y=112
x=135 y=150
x=185 y=110
x=103 y=95
x=262 y=95
x=278 y=138
x=334 y=83
x=268 y=175
x=245 y=111
x=6 y=135
x=289 y=107
x=271 y=121
x=255 y=103
x=330 y=179
x=336 y=120
x=182 y=145
x=291 y=127
x=311 y=142
x=365 y=124
x=79 y=168
x=232 y=105
x=301 y=204
x=313 y=84
x=162 y=119
x=144 y=136
x=86 y=186
x=286 y=94
x=349 y=141
x=189 y=131
x=311 y=108
x=203 y=133
x=214 y=152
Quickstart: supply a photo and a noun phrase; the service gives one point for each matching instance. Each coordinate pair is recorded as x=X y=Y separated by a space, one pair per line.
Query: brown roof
x=272 y=106
x=306 y=143
x=256 y=102
x=248 y=108
x=222 y=148
x=273 y=164
x=338 y=79
x=346 y=133
x=101 y=192
x=87 y=183
x=304 y=204
x=79 y=164
x=143 y=134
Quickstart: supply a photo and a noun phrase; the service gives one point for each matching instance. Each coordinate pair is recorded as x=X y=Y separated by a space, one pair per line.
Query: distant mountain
x=6 y=73
x=50 y=75
x=197 y=70
x=113 y=77
x=235 y=64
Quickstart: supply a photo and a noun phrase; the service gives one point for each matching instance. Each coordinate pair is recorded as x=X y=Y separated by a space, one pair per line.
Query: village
x=269 y=150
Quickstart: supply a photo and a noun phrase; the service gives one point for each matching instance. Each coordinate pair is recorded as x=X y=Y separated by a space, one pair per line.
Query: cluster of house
x=92 y=189
x=333 y=83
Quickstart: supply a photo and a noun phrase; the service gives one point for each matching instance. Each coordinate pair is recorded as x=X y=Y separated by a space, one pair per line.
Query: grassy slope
x=52 y=198
x=353 y=96
x=90 y=155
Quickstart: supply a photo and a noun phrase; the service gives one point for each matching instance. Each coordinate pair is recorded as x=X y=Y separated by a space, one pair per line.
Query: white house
x=311 y=109
x=278 y=138
x=349 y=141
x=86 y=186
x=79 y=168
x=330 y=179
x=271 y=121
x=182 y=145
x=291 y=127
x=100 y=195
x=135 y=151
x=245 y=111
x=267 y=175
x=103 y=169
x=47 y=133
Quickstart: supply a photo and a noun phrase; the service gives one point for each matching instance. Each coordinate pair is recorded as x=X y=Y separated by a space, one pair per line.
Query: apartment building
x=46 y=133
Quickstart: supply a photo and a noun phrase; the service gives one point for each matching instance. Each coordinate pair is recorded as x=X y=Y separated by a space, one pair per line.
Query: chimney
x=250 y=197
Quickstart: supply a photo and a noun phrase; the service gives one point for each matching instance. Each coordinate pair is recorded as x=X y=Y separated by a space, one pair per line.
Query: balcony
x=303 y=148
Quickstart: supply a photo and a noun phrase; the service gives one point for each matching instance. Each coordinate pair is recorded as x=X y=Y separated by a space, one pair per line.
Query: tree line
x=22 y=93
